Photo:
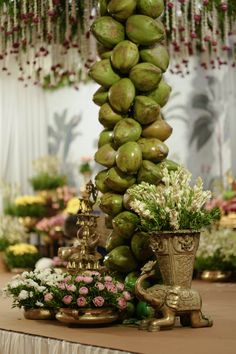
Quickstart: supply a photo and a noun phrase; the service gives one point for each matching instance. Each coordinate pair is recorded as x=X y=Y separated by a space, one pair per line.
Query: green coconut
x=103 y=74
x=111 y=203
x=129 y=157
x=100 y=181
x=118 y=181
x=153 y=149
x=124 y=56
x=121 y=95
x=126 y=130
x=161 y=94
x=157 y=55
x=121 y=9
x=100 y=96
x=114 y=240
x=150 y=172
x=121 y=259
x=107 y=117
x=152 y=8
x=146 y=110
x=105 y=137
x=125 y=224
x=140 y=246
x=159 y=129
x=145 y=76
x=108 y=31
x=105 y=155
x=144 y=30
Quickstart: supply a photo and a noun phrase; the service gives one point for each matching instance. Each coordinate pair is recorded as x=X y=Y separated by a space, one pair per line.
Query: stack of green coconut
x=131 y=147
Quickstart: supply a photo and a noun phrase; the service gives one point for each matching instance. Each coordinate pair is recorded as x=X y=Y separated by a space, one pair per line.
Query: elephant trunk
x=142 y=293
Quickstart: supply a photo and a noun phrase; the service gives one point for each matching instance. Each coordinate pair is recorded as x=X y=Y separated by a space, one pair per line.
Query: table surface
x=219 y=301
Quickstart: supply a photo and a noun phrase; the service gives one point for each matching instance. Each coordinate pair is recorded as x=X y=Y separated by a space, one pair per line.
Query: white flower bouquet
x=173 y=204
x=11 y=232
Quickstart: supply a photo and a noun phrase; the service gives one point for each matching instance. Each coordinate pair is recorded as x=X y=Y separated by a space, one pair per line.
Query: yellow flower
x=75 y=205
x=29 y=200
x=21 y=249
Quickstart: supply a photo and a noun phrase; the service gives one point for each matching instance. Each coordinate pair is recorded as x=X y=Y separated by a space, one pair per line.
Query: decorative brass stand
x=82 y=255
x=175 y=253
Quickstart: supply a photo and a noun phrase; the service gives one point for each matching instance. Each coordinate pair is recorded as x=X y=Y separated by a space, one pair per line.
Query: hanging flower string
x=52 y=44
x=41 y=35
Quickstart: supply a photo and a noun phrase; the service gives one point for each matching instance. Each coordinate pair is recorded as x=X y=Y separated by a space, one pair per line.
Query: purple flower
x=88 y=280
x=67 y=299
x=81 y=301
x=48 y=297
x=100 y=286
x=126 y=295
x=70 y=287
x=98 y=301
x=83 y=290
x=121 y=303
x=120 y=286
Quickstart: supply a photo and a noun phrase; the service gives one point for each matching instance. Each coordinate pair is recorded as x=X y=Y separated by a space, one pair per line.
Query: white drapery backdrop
x=23 y=129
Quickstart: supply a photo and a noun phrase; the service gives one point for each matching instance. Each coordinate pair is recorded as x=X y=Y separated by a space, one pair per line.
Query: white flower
x=39 y=304
x=23 y=295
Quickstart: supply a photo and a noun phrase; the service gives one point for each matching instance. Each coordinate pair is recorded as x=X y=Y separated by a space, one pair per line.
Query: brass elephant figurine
x=171 y=301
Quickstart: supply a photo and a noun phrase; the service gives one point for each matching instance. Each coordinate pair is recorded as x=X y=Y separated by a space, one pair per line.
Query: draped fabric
x=19 y=343
x=23 y=129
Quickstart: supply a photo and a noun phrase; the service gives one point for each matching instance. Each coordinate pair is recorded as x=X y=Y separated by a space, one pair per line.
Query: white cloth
x=19 y=343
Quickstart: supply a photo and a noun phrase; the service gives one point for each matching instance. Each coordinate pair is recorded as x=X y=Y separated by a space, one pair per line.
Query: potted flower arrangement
x=11 y=232
x=28 y=208
x=21 y=256
x=216 y=255
x=91 y=297
x=32 y=292
x=47 y=174
x=52 y=227
x=173 y=214
x=86 y=298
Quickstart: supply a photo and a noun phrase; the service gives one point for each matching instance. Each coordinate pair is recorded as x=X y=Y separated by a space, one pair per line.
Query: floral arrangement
x=53 y=289
x=173 y=204
x=51 y=226
x=11 y=232
x=47 y=173
x=27 y=205
x=31 y=290
x=74 y=206
x=85 y=166
x=21 y=255
x=62 y=196
x=217 y=250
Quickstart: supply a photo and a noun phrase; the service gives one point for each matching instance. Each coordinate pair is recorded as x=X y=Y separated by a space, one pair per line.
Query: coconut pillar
x=131 y=146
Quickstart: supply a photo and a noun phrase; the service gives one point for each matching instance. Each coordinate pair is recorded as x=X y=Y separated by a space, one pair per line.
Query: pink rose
x=126 y=295
x=61 y=286
x=88 y=280
x=70 y=287
x=66 y=279
x=98 y=301
x=121 y=303
x=67 y=299
x=100 y=286
x=79 y=278
x=48 y=297
x=83 y=290
x=81 y=301
x=108 y=278
x=111 y=287
x=120 y=286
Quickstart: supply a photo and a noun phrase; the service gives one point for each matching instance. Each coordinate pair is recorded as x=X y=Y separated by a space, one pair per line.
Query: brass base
x=87 y=316
x=216 y=275
x=39 y=314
